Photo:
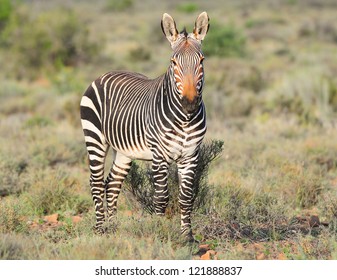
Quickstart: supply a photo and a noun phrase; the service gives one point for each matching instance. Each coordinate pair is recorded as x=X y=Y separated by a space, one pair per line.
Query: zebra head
x=186 y=68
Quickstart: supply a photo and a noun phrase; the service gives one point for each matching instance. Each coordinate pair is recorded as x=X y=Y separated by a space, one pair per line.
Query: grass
x=273 y=104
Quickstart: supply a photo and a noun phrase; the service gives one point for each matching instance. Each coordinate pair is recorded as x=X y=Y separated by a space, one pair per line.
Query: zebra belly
x=144 y=154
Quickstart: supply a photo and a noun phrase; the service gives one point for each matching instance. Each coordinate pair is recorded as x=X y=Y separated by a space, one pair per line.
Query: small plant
x=187 y=7
x=140 y=183
x=308 y=191
x=11 y=217
x=224 y=41
x=10 y=248
x=119 y=5
x=53 y=193
x=50 y=40
x=38 y=121
x=310 y=97
x=139 y=53
x=5 y=12
x=11 y=171
x=254 y=81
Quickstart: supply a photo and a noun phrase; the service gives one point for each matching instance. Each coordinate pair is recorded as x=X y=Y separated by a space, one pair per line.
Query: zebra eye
x=174 y=61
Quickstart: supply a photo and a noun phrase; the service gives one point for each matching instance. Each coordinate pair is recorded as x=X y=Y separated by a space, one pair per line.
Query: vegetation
x=140 y=182
x=52 y=39
x=187 y=7
x=119 y=5
x=267 y=185
x=224 y=41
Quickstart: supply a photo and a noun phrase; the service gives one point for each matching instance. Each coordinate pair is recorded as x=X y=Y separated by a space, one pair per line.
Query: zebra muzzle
x=190 y=106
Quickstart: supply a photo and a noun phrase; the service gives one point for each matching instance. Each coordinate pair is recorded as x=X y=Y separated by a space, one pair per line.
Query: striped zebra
x=160 y=120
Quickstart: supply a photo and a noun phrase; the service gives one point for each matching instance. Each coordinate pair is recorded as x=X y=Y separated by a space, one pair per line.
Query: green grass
x=270 y=96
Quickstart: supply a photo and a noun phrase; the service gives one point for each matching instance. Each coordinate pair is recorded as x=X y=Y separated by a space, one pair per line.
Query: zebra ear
x=201 y=26
x=169 y=28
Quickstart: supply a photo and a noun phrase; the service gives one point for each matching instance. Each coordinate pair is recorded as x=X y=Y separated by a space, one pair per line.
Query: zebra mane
x=184 y=32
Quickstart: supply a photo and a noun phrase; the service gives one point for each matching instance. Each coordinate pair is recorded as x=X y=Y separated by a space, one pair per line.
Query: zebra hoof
x=191 y=240
x=188 y=237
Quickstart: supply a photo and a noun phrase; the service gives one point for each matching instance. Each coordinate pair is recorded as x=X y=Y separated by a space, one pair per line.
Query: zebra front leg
x=161 y=197
x=96 y=155
x=186 y=173
x=119 y=170
x=97 y=189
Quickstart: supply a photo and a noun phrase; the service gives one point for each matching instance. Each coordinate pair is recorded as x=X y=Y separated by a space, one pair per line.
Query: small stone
x=206 y=256
x=204 y=247
x=51 y=218
x=128 y=213
x=76 y=219
x=260 y=257
x=281 y=256
x=314 y=221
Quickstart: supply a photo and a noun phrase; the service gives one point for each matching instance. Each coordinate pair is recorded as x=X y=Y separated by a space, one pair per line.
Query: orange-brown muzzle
x=190 y=94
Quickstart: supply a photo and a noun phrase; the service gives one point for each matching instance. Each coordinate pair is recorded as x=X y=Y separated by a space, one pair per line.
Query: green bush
x=187 y=7
x=5 y=12
x=140 y=53
x=11 y=217
x=53 y=193
x=38 y=121
x=51 y=40
x=140 y=182
x=308 y=96
x=11 y=171
x=224 y=41
x=119 y=5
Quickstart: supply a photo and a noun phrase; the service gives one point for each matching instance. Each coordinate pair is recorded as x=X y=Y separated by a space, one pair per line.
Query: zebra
x=160 y=120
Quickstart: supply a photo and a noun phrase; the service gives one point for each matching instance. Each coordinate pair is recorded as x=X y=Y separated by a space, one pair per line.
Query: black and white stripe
x=148 y=119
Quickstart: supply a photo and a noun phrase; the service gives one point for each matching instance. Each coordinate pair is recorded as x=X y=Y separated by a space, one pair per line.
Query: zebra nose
x=190 y=91
x=190 y=106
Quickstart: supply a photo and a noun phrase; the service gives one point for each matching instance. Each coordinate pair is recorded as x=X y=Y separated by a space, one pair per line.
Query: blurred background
x=264 y=58
x=270 y=94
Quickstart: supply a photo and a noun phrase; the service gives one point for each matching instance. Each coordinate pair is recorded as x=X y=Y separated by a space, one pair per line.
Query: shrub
x=10 y=248
x=308 y=190
x=11 y=217
x=139 y=53
x=224 y=41
x=254 y=80
x=37 y=121
x=11 y=171
x=239 y=213
x=187 y=7
x=50 y=40
x=119 y=5
x=140 y=182
x=53 y=192
x=308 y=96
x=5 y=12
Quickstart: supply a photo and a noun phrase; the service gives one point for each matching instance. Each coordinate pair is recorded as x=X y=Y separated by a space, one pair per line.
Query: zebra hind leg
x=119 y=170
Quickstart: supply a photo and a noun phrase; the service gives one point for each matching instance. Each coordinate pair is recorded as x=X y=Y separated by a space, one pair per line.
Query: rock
x=51 y=218
x=128 y=213
x=209 y=255
x=76 y=219
x=206 y=256
x=281 y=256
x=260 y=256
x=204 y=247
x=213 y=254
x=314 y=221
